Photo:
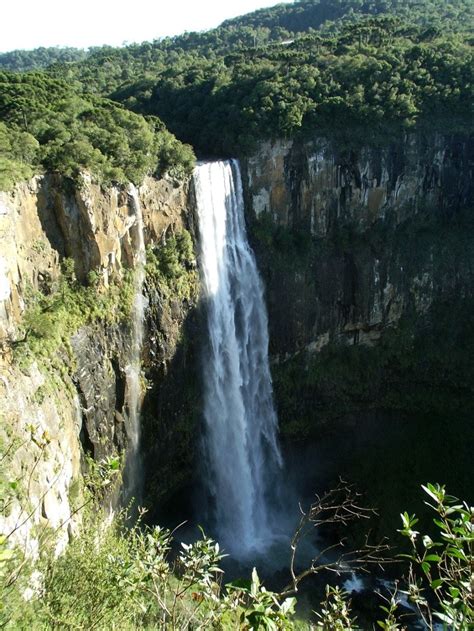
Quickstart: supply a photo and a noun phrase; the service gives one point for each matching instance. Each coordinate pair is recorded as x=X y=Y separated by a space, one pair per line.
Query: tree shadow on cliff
x=49 y=188
x=171 y=421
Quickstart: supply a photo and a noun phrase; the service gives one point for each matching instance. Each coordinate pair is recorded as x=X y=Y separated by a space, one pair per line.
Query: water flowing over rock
x=133 y=369
x=241 y=450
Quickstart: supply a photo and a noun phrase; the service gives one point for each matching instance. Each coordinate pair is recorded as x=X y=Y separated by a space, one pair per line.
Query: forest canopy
x=363 y=71
x=23 y=60
x=47 y=124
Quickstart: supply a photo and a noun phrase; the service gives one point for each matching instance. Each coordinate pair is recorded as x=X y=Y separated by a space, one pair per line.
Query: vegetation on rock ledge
x=52 y=318
x=171 y=267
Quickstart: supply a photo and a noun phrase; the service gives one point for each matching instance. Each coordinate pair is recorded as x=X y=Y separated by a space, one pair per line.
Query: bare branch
x=339 y=505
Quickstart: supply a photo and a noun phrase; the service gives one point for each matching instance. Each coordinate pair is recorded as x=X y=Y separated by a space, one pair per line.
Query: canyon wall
x=350 y=217
x=67 y=260
x=368 y=259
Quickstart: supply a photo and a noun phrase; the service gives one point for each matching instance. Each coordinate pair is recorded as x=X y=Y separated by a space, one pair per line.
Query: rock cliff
x=68 y=254
x=346 y=214
x=368 y=248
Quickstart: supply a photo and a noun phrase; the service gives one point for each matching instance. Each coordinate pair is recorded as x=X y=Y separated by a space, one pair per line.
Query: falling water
x=241 y=450
x=132 y=370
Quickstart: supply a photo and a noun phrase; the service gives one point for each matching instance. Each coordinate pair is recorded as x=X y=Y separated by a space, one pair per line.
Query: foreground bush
x=114 y=577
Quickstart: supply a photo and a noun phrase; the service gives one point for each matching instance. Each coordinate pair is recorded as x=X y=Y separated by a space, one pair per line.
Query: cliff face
x=318 y=185
x=353 y=234
x=49 y=218
x=66 y=396
x=368 y=259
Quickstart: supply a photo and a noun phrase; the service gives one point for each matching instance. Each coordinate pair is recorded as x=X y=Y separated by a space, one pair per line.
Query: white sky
x=82 y=23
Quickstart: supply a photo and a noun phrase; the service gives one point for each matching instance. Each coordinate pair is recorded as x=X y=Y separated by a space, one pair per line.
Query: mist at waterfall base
x=244 y=497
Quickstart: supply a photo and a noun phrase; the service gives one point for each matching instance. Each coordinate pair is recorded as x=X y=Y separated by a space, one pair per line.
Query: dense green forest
x=364 y=69
x=45 y=123
x=305 y=15
x=371 y=80
x=360 y=70
x=23 y=60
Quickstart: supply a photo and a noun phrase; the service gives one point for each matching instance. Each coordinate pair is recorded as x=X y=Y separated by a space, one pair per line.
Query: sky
x=82 y=23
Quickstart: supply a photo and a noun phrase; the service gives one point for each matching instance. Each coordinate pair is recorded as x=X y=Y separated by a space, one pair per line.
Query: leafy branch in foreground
x=446 y=564
x=113 y=576
x=335 y=613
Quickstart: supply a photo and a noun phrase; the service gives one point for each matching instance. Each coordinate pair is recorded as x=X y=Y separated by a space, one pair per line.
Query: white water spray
x=133 y=369
x=242 y=454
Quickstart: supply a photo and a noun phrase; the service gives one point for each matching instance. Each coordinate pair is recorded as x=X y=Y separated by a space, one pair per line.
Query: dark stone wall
x=368 y=260
x=349 y=241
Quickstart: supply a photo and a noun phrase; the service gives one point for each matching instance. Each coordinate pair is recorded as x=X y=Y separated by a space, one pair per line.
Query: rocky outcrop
x=351 y=239
x=318 y=186
x=39 y=439
x=56 y=410
x=49 y=218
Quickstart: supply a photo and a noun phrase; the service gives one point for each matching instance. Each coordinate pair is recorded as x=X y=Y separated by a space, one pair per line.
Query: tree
x=338 y=506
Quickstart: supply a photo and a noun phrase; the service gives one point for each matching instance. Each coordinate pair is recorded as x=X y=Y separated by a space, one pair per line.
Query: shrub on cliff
x=18 y=154
x=50 y=319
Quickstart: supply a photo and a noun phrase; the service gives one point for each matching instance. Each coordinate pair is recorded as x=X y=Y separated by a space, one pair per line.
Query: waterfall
x=241 y=452
x=133 y=368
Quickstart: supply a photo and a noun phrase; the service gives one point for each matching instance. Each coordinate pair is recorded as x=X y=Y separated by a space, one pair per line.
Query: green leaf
x=440 y=524
x=431 y=490
x=436 y=584
x=450 y=499
x=114 y=463
x=427 y=541
x=432 y=557
x=255 y=583
x=454 y=591
x=455 y=552
x=443 y=617
x=288 y=605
